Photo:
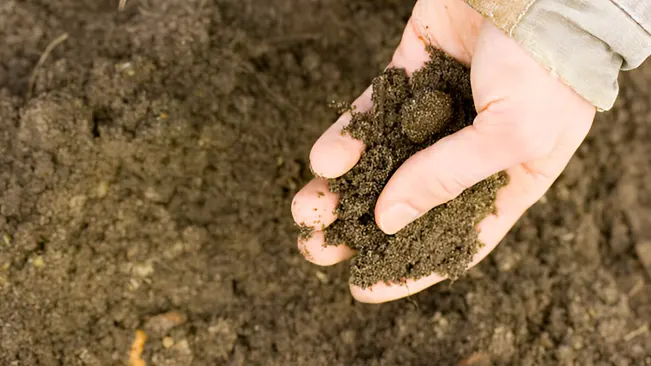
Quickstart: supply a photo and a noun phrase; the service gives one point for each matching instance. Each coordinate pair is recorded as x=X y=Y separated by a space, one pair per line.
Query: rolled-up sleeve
x=586 y=43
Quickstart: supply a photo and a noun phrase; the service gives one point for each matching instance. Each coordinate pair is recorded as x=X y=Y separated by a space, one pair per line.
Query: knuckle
x=443 y=187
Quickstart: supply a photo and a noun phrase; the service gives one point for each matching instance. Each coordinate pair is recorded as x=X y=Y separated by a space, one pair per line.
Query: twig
x=136 y=349
x=122 y=4
x=32 y=80
x=639 y=285
x=638 y=332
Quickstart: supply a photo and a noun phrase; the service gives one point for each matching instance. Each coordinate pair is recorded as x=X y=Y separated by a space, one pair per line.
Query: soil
x=145 y=189
x=407 y=117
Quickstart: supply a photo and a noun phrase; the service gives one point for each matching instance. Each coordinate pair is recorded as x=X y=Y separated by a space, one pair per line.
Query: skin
x=529 y=123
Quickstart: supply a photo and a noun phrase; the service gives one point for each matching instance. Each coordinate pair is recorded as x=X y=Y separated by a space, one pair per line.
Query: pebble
x=643 y=251
x=38 y=262
x=163 y=323
x=168 y=342
x=322 y=277
x=143 y=269
x=102 y=189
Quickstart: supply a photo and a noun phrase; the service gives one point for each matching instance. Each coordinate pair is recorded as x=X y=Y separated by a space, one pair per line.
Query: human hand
x=529 y=124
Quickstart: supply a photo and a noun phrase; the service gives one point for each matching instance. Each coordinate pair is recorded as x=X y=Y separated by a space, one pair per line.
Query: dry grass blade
x=636 y=333
x=122 y=4
x=32 y=79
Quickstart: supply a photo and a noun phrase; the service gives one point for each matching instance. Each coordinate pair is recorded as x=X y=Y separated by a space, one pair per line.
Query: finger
x=383 y=292
x=315 y=250
x=335 y=153
x=528 y=182
x=314 y=205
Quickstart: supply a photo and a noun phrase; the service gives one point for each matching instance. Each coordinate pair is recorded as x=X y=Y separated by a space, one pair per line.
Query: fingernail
x=397 y=217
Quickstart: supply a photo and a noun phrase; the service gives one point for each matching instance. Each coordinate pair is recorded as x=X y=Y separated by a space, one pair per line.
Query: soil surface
x=407 y=117
x=146 y=181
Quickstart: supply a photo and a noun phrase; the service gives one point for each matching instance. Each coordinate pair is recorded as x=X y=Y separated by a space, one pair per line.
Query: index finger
x=335 y=152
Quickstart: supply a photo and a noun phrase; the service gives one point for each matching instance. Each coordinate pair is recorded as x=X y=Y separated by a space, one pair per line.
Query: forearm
x=585 y=43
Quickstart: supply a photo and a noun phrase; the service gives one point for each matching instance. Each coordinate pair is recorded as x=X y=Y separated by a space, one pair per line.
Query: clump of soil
x=406 y=117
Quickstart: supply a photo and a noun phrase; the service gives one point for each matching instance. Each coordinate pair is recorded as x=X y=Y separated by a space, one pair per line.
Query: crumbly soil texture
x=408 y=116
x=147 y=167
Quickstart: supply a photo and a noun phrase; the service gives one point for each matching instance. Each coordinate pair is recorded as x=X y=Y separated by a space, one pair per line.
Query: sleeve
x=586 y=43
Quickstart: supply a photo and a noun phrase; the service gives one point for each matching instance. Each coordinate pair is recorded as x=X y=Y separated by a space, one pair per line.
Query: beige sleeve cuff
x=585 y=43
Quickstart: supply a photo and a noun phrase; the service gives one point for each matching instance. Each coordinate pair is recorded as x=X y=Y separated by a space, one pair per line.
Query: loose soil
x=406 y=117
x=145 y=189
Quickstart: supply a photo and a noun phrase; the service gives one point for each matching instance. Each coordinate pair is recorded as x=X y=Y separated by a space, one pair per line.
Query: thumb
x=444 y=170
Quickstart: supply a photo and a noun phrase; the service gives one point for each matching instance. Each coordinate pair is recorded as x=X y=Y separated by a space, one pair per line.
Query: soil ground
x=146 y=184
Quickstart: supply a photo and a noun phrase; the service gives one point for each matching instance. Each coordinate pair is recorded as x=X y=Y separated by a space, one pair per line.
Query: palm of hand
x=529 y=124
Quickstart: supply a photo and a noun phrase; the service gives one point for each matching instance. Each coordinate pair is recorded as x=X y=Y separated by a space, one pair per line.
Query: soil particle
x=476 y=359
x=407 y=117
x=178 y=354
x=168 y=342
x=643 y=251
x=160 y=325
x=305 y=232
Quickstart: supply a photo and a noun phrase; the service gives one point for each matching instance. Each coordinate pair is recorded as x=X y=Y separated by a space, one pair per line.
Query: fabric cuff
x=584 y=43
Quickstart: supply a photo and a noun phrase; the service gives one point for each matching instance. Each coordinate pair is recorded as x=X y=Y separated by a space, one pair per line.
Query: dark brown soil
x=407 y=117
x=147 y=185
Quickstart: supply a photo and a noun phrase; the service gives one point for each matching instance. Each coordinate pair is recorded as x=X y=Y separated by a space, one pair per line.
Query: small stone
x=546 y=341
x=38 y=262
x=503 y=343
x=160 y=194
x=221 y=326
x=224 y=337
x=133 y=284
x=577 y=342
x=348 y=336
x=88 y=358
x=322 y=277
x=152 y=195
x=161 y=324
x=565 y=355
x=168 y=342
x=507 y=260
x=143 y=269
x=476 y=359
x=102 y=189
x=643 y=251
x=77 y=203
x=609 y=295
x=178 y=354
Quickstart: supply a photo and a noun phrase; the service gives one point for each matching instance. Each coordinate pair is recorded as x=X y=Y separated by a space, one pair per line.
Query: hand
x=529 y=123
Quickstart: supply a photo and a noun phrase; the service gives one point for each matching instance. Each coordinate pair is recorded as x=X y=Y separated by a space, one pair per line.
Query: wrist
x=585 y=44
